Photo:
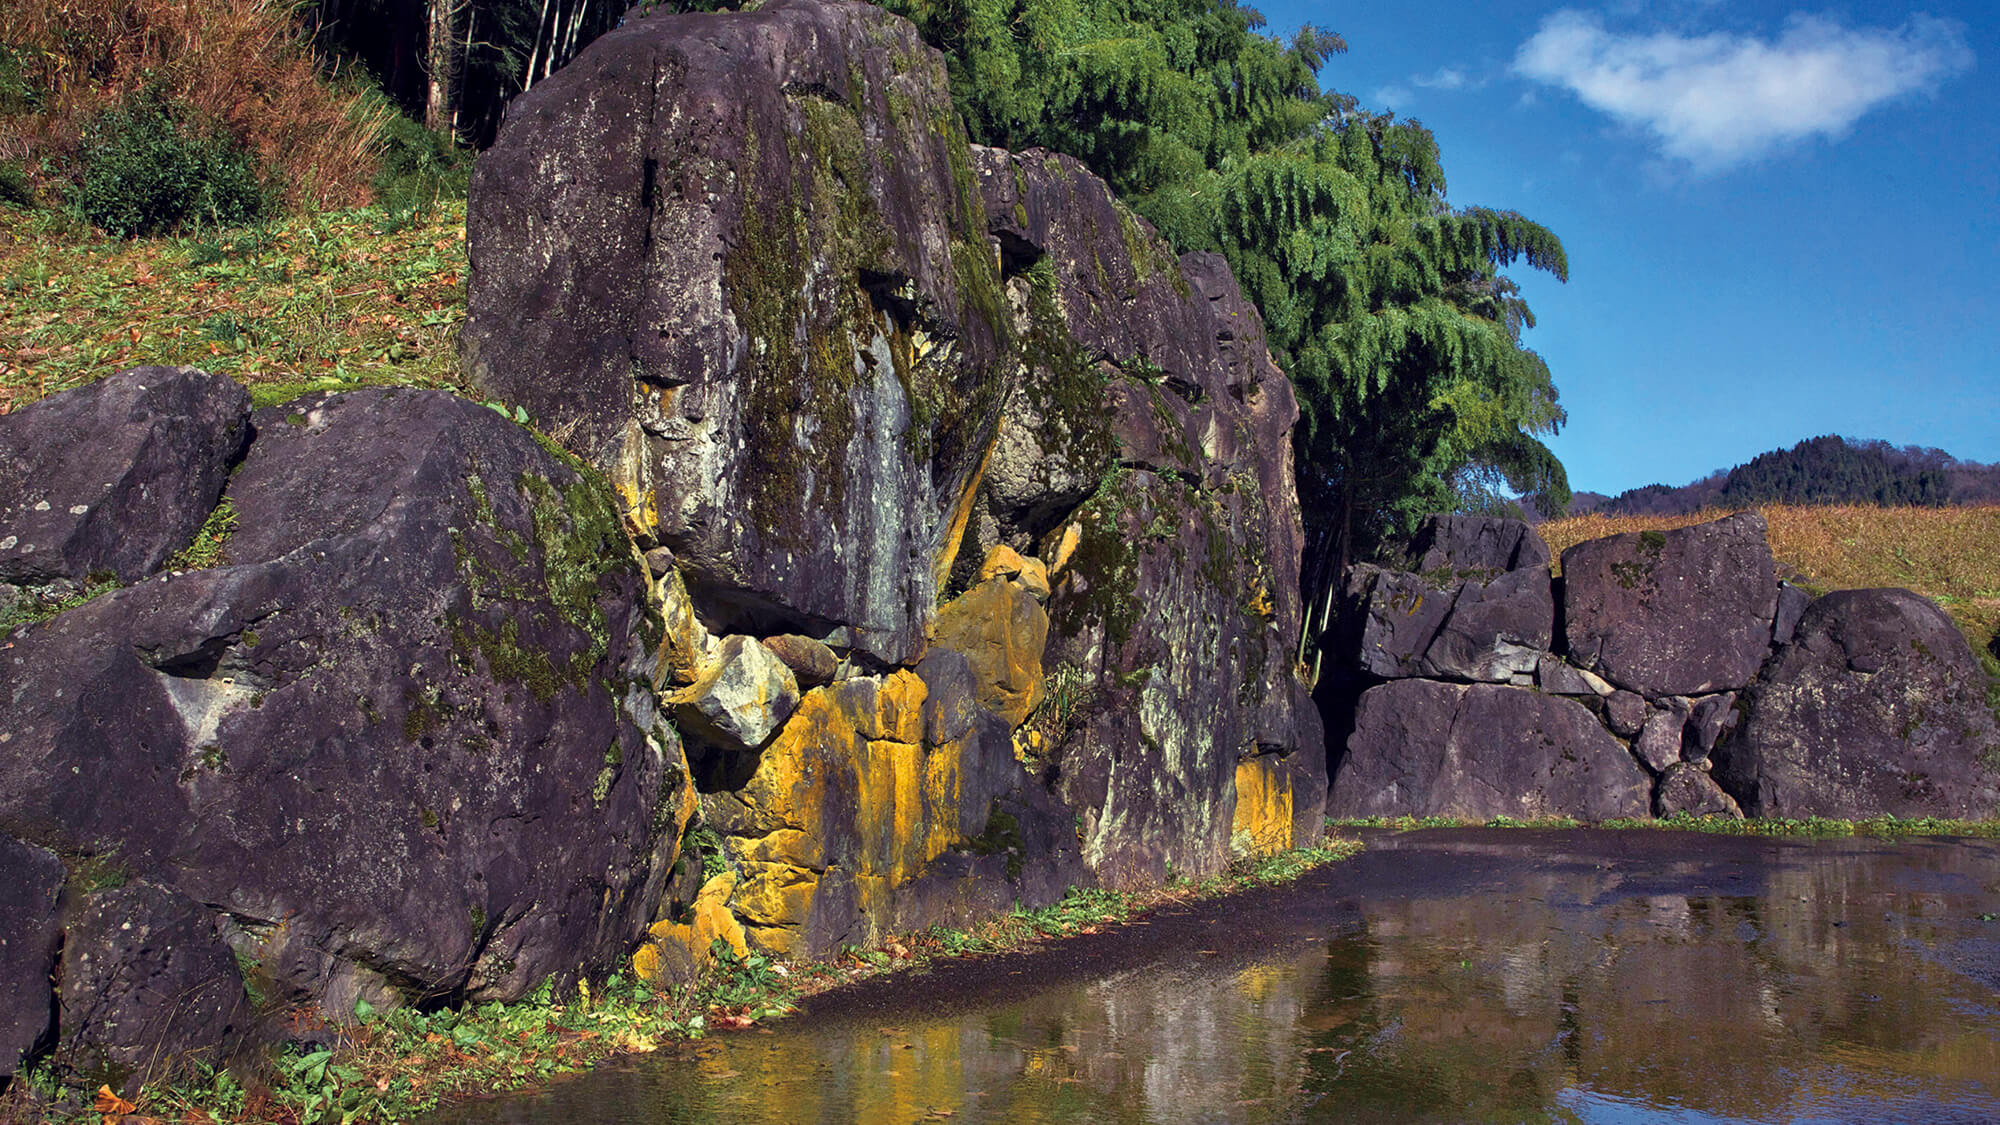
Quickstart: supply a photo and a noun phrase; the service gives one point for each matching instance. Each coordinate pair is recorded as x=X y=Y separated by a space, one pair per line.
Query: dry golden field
x=1950 y=555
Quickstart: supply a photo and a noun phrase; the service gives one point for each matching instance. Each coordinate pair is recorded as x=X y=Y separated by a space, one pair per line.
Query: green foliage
x=147 y=173
x=15 y=188
x=419 y=168
x=1829 y=470
x=207 y=549
x=35 y=605
x=18 y=94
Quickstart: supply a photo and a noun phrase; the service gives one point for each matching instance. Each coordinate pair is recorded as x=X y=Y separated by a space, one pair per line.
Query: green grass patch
x=207 y=550
x=1816 y=827
x=327 y=301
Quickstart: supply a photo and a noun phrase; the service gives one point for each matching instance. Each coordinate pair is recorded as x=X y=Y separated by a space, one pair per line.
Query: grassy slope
x=1950 y=555
x=334 y=299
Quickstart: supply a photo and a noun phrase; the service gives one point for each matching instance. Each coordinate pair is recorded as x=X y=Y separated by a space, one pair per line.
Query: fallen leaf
x=110 y=1104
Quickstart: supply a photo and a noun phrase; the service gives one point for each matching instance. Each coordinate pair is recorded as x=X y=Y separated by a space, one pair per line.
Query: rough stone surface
x=741 y=700
x=1401 y=614
x=1659 y=741
x=1496 y=631
x=1477 y=544
x=1625 y=712
x=1876 y=708
x=1687 y=788
x=742 y=257
x=1001 y=629
x=405 y=740
x=1714 y=718
x=146 y=984
x=31 y=882
x=1424 y=748
x=1442 y=626
x=115 y=476
x=1557 y=677
x=1792 y=603
x=1681 y=612
x=857 y=823
x=1175 y=608
x=812 y=663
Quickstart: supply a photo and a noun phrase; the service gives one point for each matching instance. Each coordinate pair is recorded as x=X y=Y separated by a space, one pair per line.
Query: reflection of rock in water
x=1838 y=981
x=1713 y=1002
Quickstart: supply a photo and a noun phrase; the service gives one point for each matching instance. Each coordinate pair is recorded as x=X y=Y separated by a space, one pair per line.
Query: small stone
x=1686 y=788
x=1005 y=562
x=811 y=662
x=1713 y=720
x=1625 y=712
x=741 y=699
x=1659 y=743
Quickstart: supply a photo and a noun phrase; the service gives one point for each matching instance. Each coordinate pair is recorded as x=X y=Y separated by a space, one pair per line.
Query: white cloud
x=1721 y=99
x=1446 y=78
x=1396 y=98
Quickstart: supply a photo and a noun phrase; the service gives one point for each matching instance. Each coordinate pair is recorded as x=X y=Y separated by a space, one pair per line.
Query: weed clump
x=147 y=173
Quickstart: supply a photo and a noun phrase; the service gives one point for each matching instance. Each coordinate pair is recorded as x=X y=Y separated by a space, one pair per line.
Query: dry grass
x=1950 y=555
x=242 y=63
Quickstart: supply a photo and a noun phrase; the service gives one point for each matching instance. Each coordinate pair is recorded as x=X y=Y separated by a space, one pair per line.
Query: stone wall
x=1661 y=673
x=968 y=503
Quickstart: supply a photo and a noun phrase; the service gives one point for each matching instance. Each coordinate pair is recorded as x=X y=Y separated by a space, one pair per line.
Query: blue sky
x=1782 y=220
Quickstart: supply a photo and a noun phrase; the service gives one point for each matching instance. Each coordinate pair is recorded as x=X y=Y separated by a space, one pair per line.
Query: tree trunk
x=441 y=61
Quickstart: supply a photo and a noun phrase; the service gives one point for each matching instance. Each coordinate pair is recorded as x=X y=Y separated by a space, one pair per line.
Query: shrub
x=14 y=186
x=17 y=94
x=144 y=173
x=244 y=65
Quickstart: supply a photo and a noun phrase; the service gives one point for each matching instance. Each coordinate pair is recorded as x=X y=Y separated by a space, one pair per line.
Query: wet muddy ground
x=1445 y=975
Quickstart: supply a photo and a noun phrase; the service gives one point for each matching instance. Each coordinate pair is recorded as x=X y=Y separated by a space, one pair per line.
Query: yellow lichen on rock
x=1263 y=820
x=1001 y=629
x=686 y=645
x=676 y=949
x=1005 y=562
x=1066 y=545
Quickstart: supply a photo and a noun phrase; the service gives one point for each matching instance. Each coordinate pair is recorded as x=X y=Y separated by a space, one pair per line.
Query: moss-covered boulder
x=402 y=743
x=1004 y=481
x=741 y=262
x=1174 y=608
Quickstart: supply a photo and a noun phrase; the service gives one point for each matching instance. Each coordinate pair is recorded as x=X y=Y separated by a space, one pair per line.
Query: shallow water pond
x=1442 y=976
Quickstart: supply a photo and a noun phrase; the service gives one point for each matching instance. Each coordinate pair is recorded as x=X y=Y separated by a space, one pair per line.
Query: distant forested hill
x=1822 y=470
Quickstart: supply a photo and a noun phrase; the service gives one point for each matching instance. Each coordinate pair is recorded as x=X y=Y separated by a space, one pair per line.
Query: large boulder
x=1175 y=605
x=405 y=742
x=31 y=883
x=741 y=260
x=1877 y=707
x=1424 y=748
x=114 y=477
x=749 y=265
x=1476 y=545
x=1681 y=612
x=1495 y=628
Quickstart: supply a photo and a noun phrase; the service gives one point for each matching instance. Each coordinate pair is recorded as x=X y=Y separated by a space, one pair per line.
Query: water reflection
x=1449 y=977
